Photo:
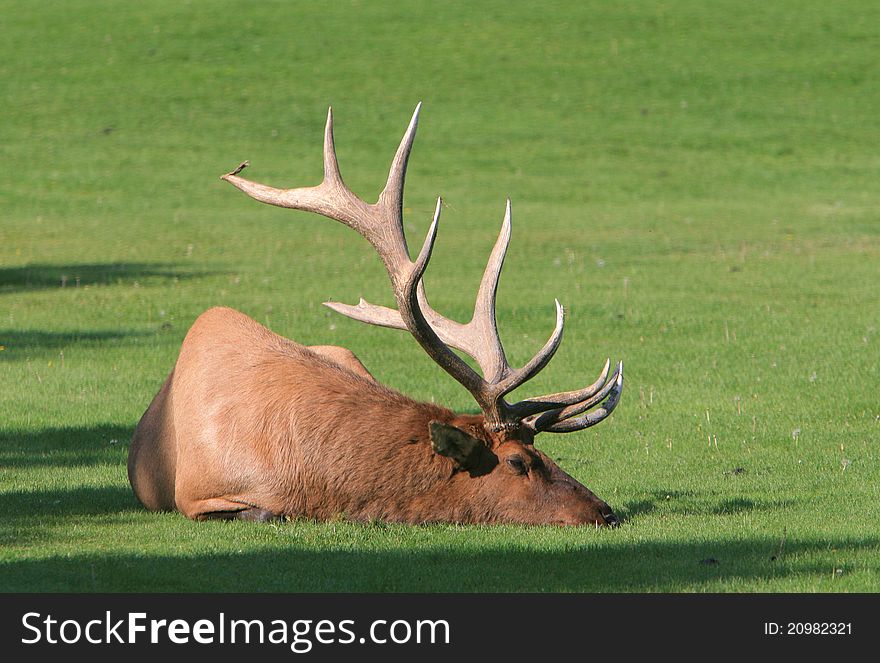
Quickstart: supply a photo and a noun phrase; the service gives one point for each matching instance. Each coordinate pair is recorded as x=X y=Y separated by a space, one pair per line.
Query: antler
x=381 y=224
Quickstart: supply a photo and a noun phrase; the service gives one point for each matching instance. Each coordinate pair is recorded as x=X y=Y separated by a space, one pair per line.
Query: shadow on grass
x=22 y=345
x=64 y=447
x=676 y=502
x=48 y=276
x=183 y=556
x=607 y=567
x=81 y=501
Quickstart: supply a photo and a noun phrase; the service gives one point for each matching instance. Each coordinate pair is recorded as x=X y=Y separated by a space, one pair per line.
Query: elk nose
x=610 y=519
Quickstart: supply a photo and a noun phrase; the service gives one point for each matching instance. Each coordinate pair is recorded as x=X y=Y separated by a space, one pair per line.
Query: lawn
x=698 y=183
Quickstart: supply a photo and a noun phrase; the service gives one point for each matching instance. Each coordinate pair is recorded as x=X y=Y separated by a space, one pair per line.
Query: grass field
x=698 y=183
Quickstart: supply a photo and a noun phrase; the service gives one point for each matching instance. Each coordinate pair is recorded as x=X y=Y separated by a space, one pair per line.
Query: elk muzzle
x=581 y=506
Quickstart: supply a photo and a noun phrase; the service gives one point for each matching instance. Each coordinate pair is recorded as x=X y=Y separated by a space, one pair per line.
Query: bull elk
x=254 y=426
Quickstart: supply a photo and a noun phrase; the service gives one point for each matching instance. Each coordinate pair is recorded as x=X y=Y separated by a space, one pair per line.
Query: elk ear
x=452 y=442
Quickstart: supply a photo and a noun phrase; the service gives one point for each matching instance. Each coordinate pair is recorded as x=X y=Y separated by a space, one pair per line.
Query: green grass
x=697 y=182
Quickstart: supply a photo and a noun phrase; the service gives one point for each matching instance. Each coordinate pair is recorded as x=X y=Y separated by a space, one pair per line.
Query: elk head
x=496 y=448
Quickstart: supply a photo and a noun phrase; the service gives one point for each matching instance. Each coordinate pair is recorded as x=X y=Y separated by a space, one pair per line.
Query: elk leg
x=257 y=514
x=219 y=508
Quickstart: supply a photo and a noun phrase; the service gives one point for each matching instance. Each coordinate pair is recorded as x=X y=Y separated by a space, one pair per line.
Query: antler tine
x=390 y=239
x=331 y=198
x=483 y=322
x=539 y=404
x=392 y=194
x=331 y=166
x=546 y=419
x=380 y=224
x=537 y=363
x=591 y=418
x=417 y=325
x=449 y=331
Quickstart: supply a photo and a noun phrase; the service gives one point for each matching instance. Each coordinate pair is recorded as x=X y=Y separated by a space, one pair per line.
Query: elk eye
x=517 y=464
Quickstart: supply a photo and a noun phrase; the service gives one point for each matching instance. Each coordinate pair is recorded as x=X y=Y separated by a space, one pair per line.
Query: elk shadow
x=742 y=505
x=39 y=276
x=658 y=499
x=697 y=504
x=629 y=510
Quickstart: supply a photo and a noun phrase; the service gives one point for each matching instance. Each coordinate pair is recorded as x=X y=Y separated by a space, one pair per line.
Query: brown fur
x=253 y=425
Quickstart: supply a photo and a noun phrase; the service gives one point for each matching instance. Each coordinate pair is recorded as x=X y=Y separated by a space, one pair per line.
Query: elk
x=251 y=425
